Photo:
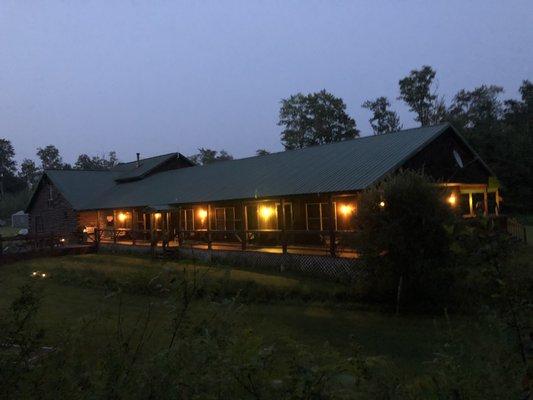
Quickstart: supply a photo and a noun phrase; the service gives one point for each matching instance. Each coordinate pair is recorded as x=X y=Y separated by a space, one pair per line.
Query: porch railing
x=274 y=240
x=517 y=230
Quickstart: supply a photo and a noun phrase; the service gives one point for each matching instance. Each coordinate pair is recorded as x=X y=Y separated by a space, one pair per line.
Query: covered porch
x=321 y=224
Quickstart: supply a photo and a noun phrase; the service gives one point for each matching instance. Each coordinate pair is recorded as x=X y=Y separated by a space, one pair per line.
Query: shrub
x=402 y=238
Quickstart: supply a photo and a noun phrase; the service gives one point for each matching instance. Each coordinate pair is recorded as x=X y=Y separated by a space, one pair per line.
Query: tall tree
x=28 y=172
x=418 y=90
x=7 y=163
x=96 y=163
x=477 y=109
x=314 y=119
x=383 y=119
x=50 y=158
x=209 y=156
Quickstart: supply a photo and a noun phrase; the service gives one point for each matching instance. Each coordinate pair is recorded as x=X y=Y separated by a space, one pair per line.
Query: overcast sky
x=161 y=76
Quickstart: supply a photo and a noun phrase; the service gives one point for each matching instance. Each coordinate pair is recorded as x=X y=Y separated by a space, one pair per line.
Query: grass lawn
x=70 y=295
x=9 y=231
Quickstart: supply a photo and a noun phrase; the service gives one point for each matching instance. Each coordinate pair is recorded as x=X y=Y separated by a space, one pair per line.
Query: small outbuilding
x=20 y=220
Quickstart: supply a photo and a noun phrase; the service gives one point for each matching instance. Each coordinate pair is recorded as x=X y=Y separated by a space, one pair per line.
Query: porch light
x=452 y=199
x=122 y=217
x=266 y=212
x=202 y=214
x=382 y=204
x=157 y=215
x=346 y=209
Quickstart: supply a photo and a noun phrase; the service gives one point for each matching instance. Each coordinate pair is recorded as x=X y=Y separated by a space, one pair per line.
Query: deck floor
x=227 y=246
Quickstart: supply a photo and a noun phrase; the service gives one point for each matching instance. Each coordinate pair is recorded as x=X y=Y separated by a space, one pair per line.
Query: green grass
x=72 y=293
x=9 y=231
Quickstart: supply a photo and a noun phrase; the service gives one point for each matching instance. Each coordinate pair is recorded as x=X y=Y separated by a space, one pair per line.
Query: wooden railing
x=313 y=240
x=18 y=246
x=517 y=230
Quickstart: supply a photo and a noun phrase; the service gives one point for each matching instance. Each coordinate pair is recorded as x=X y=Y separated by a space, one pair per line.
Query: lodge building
x=298 y=201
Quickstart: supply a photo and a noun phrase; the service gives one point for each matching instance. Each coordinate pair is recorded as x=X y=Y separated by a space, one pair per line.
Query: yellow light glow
x=202 y=214
x=452 y=199
x=382 y=204
x=266 y=212
x=122 y=217
x=157 y=215
x=34 y=273
x=62 y=240
x=346 y=209
x=43 y=275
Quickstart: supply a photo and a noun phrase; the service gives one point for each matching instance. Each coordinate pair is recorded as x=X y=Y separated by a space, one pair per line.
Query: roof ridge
x=443 y=124
x=149 y=158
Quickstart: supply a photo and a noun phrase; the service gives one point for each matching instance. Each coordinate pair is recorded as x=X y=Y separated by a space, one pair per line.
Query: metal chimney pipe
x=138 y=159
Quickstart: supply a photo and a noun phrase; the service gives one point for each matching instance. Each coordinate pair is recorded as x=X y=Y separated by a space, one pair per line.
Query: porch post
x=497 y=194
x=283 y=228
x=133 y=226
x=332 y=245
x=244 y=226
x=209 y=243
x=179 y=226
x=485 y=202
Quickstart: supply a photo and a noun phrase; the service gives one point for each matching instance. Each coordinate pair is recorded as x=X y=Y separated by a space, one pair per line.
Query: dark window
x=187 y=219
x=225 y=219
x=464 y=203
x=317 y=216
x=251 y=217
x=50 y=199
x=288 y=216
x=39 y=224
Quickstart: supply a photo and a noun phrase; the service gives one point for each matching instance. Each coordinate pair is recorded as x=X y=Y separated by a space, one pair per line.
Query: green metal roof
x=79 y=187
x=338 y=167
x=346 y=166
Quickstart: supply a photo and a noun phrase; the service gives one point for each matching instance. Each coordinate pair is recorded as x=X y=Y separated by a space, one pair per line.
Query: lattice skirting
x=331 y=268
x=323 y=267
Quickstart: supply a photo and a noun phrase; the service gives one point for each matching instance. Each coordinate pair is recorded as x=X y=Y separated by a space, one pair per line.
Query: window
x=39 y=224
x=50 y=199
x=225 y=219
x=317 y=216
x=187 y=219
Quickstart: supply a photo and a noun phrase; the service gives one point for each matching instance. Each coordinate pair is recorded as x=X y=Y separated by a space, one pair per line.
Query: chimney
x=138 y=160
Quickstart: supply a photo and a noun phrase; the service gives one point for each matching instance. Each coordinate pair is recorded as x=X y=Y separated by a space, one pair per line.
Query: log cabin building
x=299 y=201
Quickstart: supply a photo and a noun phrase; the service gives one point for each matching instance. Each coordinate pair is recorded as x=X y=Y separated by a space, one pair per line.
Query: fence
x=14 y=248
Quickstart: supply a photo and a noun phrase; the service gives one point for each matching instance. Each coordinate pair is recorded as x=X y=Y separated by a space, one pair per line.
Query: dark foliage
x=314 y=119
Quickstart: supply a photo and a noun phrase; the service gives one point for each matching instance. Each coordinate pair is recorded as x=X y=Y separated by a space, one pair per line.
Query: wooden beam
x=209 y=241
x=332 y=238
x=283 y=228
x=244 y=226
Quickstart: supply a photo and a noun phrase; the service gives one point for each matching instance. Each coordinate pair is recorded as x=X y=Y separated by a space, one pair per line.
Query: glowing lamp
x=346 y=209
x=266 y=212
x=34 y=273
x=122 y=217
x=382 y=204
x=62 y=240
x=43 y=275
x=157 y=215
x=109 y=218
x=452 y=199
x=202 y=214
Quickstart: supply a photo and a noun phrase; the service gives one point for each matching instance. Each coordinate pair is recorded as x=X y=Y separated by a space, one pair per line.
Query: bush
x=402 y=238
